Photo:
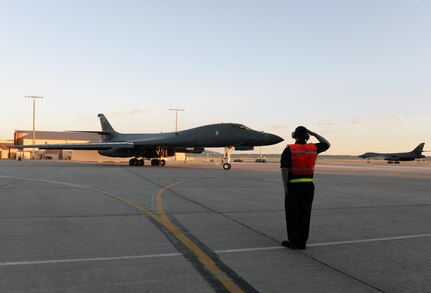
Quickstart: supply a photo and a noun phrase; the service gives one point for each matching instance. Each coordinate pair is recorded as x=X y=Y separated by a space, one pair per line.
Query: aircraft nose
x=273 y=139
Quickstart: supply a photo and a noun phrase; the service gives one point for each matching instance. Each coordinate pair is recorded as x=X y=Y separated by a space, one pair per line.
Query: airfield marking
x=370 y=240
x=210 y=264
x=238 y=250
x=94 y=259
x=202 y=257
x=164 y=220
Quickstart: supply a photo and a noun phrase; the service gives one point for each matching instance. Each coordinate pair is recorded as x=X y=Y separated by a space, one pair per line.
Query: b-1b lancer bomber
x=395 y=158
x=158 y=146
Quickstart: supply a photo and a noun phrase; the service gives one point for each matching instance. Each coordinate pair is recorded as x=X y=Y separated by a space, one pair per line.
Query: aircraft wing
x=392 y=157
x=373 y=155
x=79 y=146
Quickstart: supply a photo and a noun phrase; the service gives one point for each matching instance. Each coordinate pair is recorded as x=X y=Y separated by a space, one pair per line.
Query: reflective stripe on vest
x=303 y=159
x=300 y=180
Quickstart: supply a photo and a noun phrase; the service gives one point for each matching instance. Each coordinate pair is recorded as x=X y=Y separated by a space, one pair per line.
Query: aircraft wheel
x=162 y=163
x=131 y=162
x=141 y=162
x=154 y=162
x=227 y=166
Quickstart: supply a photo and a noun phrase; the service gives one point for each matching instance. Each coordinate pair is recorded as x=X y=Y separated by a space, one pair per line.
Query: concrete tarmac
x=86 y=227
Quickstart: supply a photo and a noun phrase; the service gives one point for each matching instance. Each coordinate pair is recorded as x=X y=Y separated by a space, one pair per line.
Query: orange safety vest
x=303 y=159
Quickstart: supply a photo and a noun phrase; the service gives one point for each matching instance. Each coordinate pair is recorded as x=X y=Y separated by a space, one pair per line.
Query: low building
x=5 y=151
x=25 y=137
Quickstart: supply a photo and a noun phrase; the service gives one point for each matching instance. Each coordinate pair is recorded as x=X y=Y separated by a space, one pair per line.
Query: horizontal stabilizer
x=90 y=131
x=78 y=146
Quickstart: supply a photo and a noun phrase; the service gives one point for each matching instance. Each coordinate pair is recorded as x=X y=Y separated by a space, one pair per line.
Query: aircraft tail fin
x=419 y=149
x=107 y=130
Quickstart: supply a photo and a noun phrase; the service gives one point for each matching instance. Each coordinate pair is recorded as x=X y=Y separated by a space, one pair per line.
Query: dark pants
x=297 y=204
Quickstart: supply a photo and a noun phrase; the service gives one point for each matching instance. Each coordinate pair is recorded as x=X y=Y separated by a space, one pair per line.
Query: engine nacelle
x=195 y=150
x=117 y=152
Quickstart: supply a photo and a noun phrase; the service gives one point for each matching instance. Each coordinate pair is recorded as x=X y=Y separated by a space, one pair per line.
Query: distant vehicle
x=157 y=146
x=395 y=158
x=238 y=161
x=260 y=160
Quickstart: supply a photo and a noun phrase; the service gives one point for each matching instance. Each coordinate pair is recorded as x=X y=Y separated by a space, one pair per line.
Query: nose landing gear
x=226 y=158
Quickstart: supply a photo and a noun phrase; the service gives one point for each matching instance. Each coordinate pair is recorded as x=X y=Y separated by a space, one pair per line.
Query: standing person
x=297 y=170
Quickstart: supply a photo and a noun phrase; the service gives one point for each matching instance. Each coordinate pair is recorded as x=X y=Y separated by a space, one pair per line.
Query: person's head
x=300 y=133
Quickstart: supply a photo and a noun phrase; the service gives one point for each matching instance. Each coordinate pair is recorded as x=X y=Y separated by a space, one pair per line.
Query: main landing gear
x=136 y=162
x=158 y=162
x=226 y=158
x=140 y=162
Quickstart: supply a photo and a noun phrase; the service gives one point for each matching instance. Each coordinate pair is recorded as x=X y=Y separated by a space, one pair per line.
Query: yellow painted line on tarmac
x=129 y=202
x=164 y=220
x=202 y=256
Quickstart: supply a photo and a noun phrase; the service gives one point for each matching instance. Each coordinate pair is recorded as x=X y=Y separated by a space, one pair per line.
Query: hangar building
x=25 y=137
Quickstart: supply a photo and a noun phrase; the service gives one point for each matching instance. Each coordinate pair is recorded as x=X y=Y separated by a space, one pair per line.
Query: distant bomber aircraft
x=395 y=158
x=158 y=146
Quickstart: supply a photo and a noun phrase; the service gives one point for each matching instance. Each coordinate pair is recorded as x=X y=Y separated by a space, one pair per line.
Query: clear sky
x=356 y=72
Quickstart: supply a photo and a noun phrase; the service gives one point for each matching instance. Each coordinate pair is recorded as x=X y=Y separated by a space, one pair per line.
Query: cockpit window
x=240 y=126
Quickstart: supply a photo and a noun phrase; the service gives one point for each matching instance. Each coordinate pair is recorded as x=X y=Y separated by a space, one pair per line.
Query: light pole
x=176 y=116
x=34 y=116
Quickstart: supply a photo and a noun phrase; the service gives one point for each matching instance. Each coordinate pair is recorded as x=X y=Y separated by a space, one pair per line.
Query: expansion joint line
x=339 y=271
